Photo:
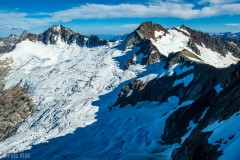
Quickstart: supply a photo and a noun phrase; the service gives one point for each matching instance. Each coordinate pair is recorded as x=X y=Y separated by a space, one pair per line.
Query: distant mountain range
x=223 y=35
x=111 y=37
x=226 y=35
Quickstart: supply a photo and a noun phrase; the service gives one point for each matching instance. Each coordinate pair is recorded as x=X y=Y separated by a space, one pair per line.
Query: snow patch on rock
x=215 y=59
x=171 y=43
x=186 y=80
x=226 y=133
x=218 y=88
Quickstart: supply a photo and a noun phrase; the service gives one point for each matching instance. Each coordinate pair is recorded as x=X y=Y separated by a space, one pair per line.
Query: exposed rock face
x=95 y=41
x=215 y=44
x=150 y=54
x=55 y=33
x=160 y=89
x=141 y=38
x=197 y=147
x=51 y=36
x=220 y=108
x=145 y=31
x=8 y=44
x=29 y=36
x=155 y=90
x=148 y=35
x=15 y=105
x=4 y=70
x=78 y=39
x=177 y=128
x=201 y=89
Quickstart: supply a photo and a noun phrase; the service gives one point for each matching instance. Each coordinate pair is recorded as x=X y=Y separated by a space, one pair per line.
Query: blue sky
x=119 y=16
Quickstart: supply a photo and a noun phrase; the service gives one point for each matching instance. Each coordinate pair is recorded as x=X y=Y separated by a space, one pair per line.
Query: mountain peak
x=59 y=28
x=147 y=30
x=183 y=26
x=55 y=33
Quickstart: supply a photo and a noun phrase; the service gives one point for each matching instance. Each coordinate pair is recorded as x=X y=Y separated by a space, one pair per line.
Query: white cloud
x=14 y=27
x=124 y=26
x=129 y=26
x=162 y=9
x=218 y=1
x=233 y=24
x=223 y=9
x=153 y=9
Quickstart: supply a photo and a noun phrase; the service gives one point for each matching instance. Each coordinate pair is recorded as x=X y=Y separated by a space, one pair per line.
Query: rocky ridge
x=8 y=44
x=205 y=40
x=227 y=35
x=213 y=90
x=59 y=33
x=148 y=34
x=51 y=36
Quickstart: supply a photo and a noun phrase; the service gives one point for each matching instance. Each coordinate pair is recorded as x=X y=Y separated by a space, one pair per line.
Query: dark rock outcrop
x=150 y=53
x=145 y=31
x=28 y=36
x=56 y=33
x=197 y=147
x=141 y=38
x=8 y=44
x=145 y=34
x=208 y=107
x=78 y=39
x=177 y=123
x=95 y=41
x=51 y=36
x=218 y=106
x=160 y=89
x=205 y=40
x=15 y=105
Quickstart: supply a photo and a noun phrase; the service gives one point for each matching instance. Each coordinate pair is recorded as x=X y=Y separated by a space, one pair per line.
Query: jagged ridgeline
x=60 y=33
x=188 y=74
x=52 y=36
x=161 y=93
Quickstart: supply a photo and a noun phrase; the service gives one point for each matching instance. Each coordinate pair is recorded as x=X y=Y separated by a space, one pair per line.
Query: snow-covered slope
x=63 y=80
x=75 y=90
x=223 y=133
x=66 y=82
x=173 y=42
x=176 y=41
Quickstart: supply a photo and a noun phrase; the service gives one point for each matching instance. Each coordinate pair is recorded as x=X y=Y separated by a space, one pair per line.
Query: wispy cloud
x=160 y=9
x=153 y=9
x=233 y=24
x=125 y=27
x=14 y=27
x=129 y=26
x=218 y=1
